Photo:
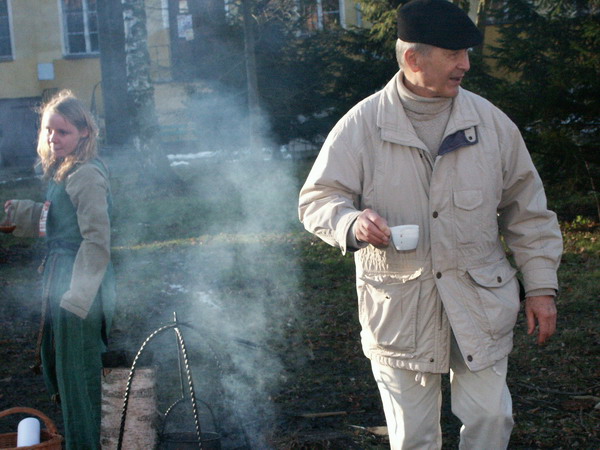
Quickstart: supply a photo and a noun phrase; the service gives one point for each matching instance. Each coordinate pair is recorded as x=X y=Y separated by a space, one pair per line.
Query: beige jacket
x=482 y=185
x=87 y=188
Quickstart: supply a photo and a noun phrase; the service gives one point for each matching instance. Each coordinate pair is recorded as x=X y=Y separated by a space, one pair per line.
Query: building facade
x=48 y=45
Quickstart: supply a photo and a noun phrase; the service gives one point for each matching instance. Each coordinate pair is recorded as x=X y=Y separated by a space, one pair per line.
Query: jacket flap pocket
x=493 y=275
x=379 y=278
x=468 y=199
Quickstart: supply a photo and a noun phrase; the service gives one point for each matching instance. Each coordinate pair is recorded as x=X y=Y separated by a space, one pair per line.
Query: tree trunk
x=111 y=39
x=252 y=83
x=145 y=129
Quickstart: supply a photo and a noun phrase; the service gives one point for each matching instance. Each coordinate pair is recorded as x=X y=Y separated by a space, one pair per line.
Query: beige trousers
x=412 y=401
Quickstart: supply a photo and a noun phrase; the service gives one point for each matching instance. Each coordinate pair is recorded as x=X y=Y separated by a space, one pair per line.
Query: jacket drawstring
x=421 y=378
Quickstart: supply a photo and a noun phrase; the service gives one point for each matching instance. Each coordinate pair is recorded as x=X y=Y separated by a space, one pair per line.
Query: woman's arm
x=25 y=214
x=88 y=189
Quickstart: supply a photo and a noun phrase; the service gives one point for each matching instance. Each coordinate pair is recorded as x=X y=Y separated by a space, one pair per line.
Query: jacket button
x=431 y=360
x=438 y=275
x=469 y=358
x=499 y=279
x=435 y=214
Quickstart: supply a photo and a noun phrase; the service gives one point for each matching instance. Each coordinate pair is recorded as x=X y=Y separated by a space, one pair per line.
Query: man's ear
x=411 y=59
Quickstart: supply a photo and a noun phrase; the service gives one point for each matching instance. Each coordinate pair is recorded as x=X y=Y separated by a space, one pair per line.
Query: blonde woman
x=78 y=282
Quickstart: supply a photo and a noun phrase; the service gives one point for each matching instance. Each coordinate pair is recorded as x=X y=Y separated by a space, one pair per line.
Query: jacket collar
x=396 y=127
x=461 y=138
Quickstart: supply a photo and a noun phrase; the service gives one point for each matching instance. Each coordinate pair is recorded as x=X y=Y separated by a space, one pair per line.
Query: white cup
x=28 y=432
x=405 y=237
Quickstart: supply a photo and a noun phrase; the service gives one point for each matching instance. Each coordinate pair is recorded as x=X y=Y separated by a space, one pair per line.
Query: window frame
x=85 y=12
x=11 y=56
x=323 y=15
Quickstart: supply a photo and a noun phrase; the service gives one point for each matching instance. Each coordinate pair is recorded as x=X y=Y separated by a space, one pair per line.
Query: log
x=142 y=412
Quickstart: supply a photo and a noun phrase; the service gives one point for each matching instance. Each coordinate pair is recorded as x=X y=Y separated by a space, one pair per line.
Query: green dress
x=72 y=346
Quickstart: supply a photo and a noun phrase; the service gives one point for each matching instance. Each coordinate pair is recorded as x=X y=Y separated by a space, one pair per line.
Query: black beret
x=439 y=23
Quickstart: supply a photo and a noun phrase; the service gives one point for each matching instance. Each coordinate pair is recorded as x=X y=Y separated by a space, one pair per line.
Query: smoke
x=235 y=296
x=252 y=283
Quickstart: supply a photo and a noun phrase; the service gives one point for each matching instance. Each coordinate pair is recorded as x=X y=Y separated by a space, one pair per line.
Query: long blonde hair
x=73 y=111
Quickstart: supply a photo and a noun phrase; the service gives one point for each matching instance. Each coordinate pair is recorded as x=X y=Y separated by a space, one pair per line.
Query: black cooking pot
x=188 y=441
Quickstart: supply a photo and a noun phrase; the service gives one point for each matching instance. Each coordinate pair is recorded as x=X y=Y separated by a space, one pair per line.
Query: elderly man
x=426 y=152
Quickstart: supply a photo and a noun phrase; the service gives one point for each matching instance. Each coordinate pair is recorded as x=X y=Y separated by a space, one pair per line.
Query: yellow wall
x=158 y=41
x=350 y=13
x=492 y=35
x=33 y=42
x=38 y=38
x=78 y=75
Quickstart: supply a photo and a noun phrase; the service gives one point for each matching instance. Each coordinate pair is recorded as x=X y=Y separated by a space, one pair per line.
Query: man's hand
x=372 y=228
x=541 y=313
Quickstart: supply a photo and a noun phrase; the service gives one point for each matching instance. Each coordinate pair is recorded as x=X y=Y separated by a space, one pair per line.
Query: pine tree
x=549 y=51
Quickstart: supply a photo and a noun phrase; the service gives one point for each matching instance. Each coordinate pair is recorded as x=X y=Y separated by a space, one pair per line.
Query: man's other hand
x=372 y=228
x=541 y=314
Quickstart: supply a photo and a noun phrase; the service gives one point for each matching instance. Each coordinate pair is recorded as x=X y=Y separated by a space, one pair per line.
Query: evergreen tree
x=306 y=79
x=309 y=82
x=544 y=72
x=549 y=58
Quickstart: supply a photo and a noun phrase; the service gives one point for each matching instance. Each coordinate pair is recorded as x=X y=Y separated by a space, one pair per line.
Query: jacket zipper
x=427 y=157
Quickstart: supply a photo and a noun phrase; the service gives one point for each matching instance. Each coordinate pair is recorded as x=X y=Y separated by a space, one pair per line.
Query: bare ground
x=323 y=395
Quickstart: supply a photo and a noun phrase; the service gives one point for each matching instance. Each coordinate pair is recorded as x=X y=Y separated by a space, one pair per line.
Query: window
x=5 y=43
x=323 y=14
x=497 y=12
x=358 y=10
x=330 y=10
x=81 y=26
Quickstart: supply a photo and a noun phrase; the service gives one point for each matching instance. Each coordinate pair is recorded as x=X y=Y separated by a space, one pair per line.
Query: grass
x=556 y=387
x=276 y=309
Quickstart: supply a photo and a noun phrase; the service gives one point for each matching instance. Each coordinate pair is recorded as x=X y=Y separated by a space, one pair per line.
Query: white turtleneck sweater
x=428 y=116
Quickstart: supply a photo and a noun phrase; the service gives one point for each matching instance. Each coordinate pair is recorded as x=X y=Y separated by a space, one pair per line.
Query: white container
x=28 y=432
x=405 y=237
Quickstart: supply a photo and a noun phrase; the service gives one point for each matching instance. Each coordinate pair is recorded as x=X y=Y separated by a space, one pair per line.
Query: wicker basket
x=49 y=438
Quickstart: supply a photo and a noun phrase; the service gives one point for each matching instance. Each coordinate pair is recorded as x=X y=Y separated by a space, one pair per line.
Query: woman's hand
x=7 y=225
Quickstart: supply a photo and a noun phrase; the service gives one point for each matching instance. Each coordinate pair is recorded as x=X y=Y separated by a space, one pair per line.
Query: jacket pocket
x=496 y=297
x=388 y=312
x=468 y=215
